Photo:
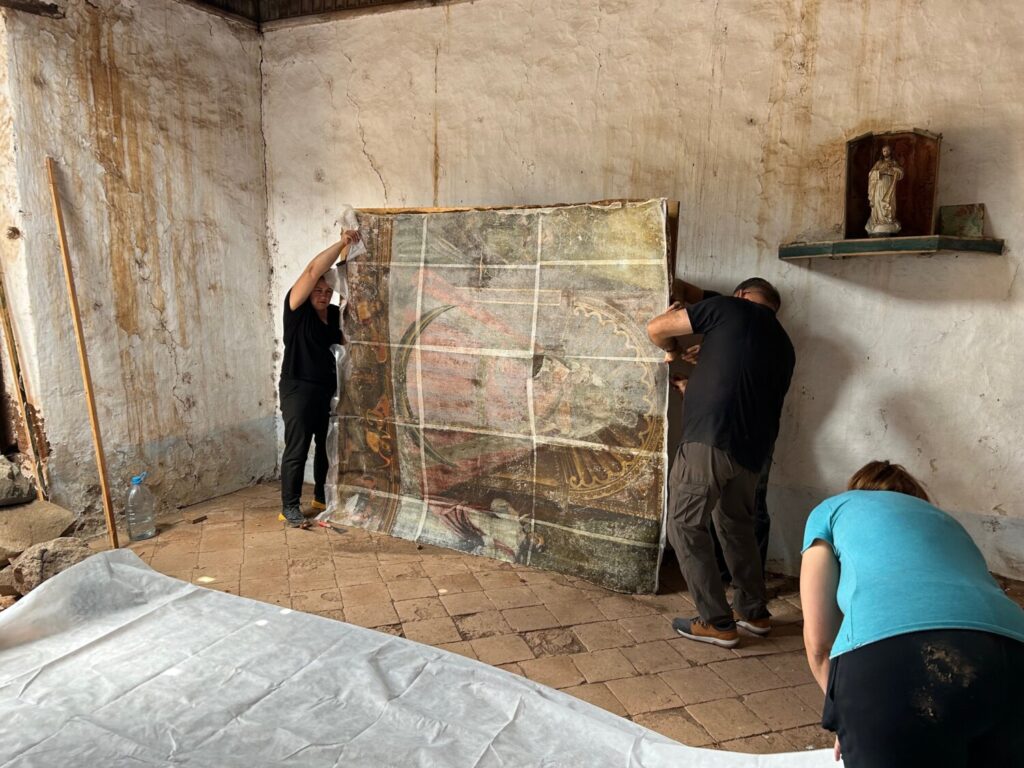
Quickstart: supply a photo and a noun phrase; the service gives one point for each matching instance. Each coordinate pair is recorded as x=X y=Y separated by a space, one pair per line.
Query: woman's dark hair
x=885 y=476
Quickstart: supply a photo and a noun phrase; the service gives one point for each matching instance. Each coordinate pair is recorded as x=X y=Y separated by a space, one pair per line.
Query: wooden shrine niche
x=917 y=152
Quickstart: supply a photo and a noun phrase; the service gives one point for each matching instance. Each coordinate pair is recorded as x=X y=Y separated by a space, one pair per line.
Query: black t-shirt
x=734 y=395
x=307 y=343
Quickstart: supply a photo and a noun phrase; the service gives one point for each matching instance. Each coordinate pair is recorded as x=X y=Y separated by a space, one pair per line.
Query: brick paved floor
x=618 y=652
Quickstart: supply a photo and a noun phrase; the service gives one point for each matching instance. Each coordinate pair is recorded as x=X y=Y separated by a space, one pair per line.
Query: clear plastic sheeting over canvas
x=500 y=395
x=112 y=664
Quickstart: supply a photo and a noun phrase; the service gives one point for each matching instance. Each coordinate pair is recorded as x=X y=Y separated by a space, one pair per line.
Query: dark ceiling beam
x=275 y=10
x=260 y=11
x=247 y=9
x=37 y=7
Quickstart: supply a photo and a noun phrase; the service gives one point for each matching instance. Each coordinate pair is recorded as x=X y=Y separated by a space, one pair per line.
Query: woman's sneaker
x=293 y=517
x=725 y=635
x=755 y=626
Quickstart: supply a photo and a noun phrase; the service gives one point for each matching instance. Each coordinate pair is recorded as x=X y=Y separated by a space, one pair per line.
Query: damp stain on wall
x=162 y=180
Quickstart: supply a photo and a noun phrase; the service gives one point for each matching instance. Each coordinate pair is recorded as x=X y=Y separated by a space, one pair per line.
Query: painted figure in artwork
x=500 y=532
x=882 y=195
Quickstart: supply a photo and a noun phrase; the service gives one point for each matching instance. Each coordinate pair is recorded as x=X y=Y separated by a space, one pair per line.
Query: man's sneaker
x=293 y=517
x=318 y=505
x=755 y=626
x=696 y=629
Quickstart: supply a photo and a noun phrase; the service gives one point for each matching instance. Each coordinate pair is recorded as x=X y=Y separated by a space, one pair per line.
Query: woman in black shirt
x=308 y=377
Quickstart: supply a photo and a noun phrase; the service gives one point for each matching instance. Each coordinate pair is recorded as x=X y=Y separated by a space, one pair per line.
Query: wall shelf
x=878 y=246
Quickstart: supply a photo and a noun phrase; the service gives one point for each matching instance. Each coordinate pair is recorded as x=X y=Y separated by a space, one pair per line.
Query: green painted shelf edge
x=877 y=246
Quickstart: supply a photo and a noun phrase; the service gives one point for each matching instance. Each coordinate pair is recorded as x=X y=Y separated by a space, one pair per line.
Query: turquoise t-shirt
x=906 y=566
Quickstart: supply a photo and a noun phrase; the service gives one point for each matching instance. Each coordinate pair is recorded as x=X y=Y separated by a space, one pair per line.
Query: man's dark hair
x=763 y=287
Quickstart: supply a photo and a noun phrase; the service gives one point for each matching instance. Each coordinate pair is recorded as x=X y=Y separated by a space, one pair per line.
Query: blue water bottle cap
x=137 y=480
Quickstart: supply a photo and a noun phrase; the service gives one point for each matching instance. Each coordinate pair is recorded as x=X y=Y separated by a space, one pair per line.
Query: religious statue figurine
x=882 y=195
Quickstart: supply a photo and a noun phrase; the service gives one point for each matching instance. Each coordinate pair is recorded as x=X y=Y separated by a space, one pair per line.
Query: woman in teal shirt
x=919 y=652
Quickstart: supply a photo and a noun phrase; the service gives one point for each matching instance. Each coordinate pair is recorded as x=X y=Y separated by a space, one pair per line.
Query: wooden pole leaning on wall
x=14 y=356
x=83 y=359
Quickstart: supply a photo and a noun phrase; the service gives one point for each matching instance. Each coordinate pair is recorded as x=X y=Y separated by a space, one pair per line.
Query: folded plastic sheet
x=113 y=664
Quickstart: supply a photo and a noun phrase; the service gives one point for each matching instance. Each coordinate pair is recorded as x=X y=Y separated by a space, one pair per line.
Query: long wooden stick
x=19 y=384
x=83 y=359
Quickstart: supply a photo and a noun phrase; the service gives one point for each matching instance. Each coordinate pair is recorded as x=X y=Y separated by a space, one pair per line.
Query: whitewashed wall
x=9 y=247
x=741 y=111
x=152 y=110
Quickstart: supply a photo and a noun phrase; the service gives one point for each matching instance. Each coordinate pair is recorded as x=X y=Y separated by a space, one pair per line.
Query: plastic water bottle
x=140 y=510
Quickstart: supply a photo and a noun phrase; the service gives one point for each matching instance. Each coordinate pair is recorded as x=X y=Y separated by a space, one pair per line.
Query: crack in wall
x=1013 y=280
x=436 y=170
x=362 y=132
x=369 y=158
x=266 y=218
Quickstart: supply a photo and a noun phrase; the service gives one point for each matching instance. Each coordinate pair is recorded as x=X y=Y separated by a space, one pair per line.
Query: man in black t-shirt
x=687 y=294
x=730 y=422
x=312 y=325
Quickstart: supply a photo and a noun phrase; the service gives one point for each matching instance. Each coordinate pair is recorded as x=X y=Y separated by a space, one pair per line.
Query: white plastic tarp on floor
x=113 y=664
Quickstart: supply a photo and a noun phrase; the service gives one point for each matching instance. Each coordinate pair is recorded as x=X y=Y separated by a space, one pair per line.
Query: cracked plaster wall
x=8 y=207
x=152 y=110
x=741 y=111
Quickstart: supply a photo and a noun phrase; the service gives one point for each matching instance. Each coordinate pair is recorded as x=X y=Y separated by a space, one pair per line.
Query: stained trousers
x=306 y=408
x=706 y=484
x=943 y=697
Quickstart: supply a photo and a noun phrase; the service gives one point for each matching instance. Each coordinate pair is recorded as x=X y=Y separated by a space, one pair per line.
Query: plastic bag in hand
x=348 y=220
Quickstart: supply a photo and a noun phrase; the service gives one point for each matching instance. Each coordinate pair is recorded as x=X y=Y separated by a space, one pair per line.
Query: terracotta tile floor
x=617 y=652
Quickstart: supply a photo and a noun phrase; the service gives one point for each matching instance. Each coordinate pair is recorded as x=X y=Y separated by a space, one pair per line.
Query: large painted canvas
x=500 y=395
